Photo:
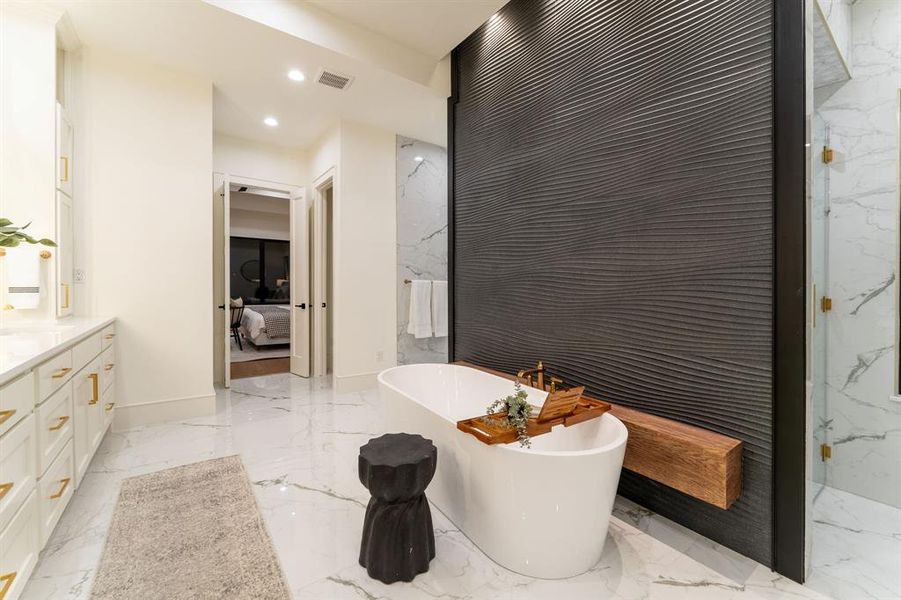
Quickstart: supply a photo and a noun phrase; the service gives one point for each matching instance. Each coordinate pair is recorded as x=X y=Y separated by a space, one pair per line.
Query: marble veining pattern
x=847 y=527
x=829 y=67
x=299 y=442
x=837 y=15
x=421 y=238
x=864 y=424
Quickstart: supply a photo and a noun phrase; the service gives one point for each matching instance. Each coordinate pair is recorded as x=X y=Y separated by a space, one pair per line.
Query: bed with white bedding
x=267 y=324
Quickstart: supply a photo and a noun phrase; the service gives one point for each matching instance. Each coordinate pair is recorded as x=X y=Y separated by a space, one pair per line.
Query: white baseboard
x=160 y=411
x=355 y=383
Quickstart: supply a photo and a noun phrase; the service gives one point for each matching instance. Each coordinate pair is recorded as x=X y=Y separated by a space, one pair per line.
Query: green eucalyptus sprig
x=518 y=410
x=11 y=235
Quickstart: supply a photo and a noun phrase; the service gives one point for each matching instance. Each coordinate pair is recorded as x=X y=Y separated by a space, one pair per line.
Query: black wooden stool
x=398 y=539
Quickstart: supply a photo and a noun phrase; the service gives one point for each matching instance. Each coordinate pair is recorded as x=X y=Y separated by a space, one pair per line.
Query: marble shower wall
x=421 y=238
x=863 y=423
x=837 y=14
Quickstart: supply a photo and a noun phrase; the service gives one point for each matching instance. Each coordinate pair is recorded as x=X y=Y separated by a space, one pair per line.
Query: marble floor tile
x=299 y=441
x=856 y=550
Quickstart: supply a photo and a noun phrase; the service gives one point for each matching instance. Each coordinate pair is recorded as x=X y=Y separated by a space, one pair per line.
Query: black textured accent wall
x=613 y=216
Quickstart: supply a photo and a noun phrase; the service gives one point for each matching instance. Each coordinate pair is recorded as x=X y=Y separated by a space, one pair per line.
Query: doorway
x=323 y=274
x=261 y=273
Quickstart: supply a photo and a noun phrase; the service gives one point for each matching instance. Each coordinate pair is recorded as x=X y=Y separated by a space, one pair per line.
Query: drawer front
x=85 y=351
x=55 y=489
x=108 y=335
x=53 y=374
x=108 y=374
x=86 y=400
x=18 y=468
x=16 y=401
x=19 y=547
x=109 y=408
x=54 y=423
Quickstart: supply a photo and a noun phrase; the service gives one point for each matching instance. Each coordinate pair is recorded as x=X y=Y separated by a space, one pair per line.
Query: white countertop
x=27 y=344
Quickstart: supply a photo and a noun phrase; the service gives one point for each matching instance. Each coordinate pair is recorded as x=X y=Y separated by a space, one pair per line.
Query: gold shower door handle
x=5 y=415
x=7 y=581
x=61 y=421
x=62 y=488
x=95 y=398
x=4 y=489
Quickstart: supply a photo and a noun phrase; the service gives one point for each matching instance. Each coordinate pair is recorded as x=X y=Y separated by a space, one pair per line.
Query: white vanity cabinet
x=53 y=417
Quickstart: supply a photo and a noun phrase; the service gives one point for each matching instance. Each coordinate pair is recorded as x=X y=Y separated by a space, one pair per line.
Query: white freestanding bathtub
x=541 y=511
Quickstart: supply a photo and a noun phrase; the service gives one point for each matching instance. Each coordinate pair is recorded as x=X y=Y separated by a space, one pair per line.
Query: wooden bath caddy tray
x=566 y=407
x=697 y=462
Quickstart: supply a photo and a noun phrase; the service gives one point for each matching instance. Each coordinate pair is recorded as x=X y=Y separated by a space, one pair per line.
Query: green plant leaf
x=5 y=222
x=9 y=242
x=47 y=242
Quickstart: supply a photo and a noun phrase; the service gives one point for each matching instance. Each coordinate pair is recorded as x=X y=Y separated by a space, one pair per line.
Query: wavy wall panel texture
x=613 y=216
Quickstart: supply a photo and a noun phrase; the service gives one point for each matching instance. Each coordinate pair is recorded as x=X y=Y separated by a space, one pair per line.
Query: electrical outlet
x=80 y=276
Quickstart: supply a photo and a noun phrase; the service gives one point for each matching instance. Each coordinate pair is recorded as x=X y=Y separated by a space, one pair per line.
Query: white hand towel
x=439 y=308
x=23 y=276
x=420 y=324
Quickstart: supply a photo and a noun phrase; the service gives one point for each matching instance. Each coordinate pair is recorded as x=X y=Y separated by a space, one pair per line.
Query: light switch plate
x=80 y=276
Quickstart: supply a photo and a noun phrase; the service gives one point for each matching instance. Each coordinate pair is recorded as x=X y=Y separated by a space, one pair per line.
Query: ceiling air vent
x=335 y=80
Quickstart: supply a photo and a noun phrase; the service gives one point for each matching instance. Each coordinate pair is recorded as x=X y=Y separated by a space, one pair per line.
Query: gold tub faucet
x=527 y=374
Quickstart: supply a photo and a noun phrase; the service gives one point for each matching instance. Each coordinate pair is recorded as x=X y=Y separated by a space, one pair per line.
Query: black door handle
x=302 y=306
x=221 y=307
x=323 y=305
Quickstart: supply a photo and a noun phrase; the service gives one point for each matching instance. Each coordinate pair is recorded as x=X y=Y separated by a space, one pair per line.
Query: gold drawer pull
x=5 y=415
x=61 y=421
x=4 y=489
x=66 y=287
x=7 y=583
x=61 y=373
x=65 y=160
x=109 y=367
x=109 y=336
x=96 y=388
x=62 y=488
x=110 y=406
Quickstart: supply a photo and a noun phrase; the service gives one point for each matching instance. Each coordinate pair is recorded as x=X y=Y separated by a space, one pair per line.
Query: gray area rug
x=189 y=532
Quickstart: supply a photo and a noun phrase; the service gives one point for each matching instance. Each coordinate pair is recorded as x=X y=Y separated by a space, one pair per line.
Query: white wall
x=147 y=254
x=258 y=216
x=363 y=159
x=245 y=158
x=28 y=135
x=365 y=256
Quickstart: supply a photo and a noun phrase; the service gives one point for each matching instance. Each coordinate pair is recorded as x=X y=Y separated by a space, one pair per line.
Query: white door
x=300 y=286
x=64 y=147
x=319 y=297
x=226 y=281
x=64 y=252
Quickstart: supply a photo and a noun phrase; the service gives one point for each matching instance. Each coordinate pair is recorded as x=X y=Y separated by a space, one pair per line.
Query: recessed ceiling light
x=271 y=121
x=295 y=75
x=417 y=158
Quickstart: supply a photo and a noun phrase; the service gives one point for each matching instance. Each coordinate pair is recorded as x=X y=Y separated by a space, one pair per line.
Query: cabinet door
x=64 y=258
x=86 y=395
x=64 y=147
x=19 y=547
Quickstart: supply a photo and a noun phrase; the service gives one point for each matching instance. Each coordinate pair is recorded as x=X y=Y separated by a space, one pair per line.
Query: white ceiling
x=433 y=27
x=247 y=62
